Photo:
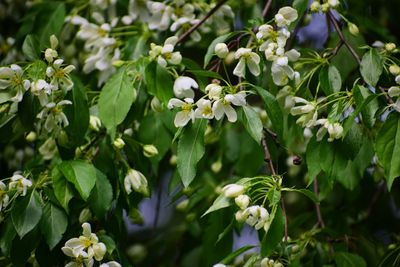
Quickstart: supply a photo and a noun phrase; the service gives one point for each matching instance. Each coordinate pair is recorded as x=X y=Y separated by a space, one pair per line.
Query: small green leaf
x=26 y=213
x=101 y=196
x=116 y=98
x=387 y=147
x=81 y=174
x=273 y=109
x=159 y=82
x=30 y=47
x=305 y=192
x=361 y=94
x=345 y=259
x=252 y=123
x=371 y=67
x=219 y=203
x=53 y=224
x=211 y=47
x=228 y=259
x=190 y=150
x=62 y=188
x=330 y=79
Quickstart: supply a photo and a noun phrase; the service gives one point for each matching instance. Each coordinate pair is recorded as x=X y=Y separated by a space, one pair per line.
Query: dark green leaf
x=159 y=82
x=228 y=259
x=305 y=192
x=30 y=47
x=50 y=22
x=275 y=233
x=53 y=224
x=345 y=259
x=206 y=73
x=7 y=235
x=26 y=213
x=62 y=188
x=361 y=94
x=81 y=174
x=371 y=67
x=116 y=98
x=190 y=150
x=219 y=203
x=101 y=196
x=252 y=123
x=387 y=147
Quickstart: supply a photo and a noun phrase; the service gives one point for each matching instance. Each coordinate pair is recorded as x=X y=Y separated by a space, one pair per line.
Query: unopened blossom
x=233 y=190
x=204 y=109
x=4 y=198
x=307 y=111
x=20 y=183
x=87 y=246
x=221 y=50
x=110 y=264
x=150 y=151
x=186 y=112
x=246 y=58
x=164 y=54
x=94 y=123
x=334 y=129
x=214 y=91
x=394 y=91
x=11 y=78
x=135 y=180
x=183 y=87
x=223 y=106
x=60 y=76
x=257 y=216
x=242 y=201
x=394 y=69
x=285 y=16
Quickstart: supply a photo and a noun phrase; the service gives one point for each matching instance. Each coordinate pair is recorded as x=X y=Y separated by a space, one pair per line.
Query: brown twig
x=266 y=8
x=317 y=206
x=341 y=36
x=197 y=25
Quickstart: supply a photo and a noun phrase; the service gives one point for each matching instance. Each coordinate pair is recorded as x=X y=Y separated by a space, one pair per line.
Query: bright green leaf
x=219 y=203
x=228 y=259
x=371 y=67
x=53 y=224
x=101 y=196
x=252 y=123
x=62 y=188
x=159 y=82
x=361 y=94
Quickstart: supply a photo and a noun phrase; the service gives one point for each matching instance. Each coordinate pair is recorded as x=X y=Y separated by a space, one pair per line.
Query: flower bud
x=182 y=206
x=94 y=123
x=221 y=50
x=315 y=6
x=118 y=143
x=394 y=70
x=233 y=190
x=216 y=166
x=229 y=58
x=242 y=201
x=172 y=160
x=353 y=29
x=333 y=3
x=137 y=253
x=31 y=137
x=241 y=216
x=85 y=215
x=137 y=181
x=155 y=105
x=150 y=151
x=325 y=7
x=390 y=47
x=397 y=79
x=394 y=91
x=53 y=41
x=128 y=132
x=118 y=63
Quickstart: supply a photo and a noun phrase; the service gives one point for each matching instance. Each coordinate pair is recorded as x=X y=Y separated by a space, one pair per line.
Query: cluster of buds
x=316 y=6
x=18 y=183
x=165 y=54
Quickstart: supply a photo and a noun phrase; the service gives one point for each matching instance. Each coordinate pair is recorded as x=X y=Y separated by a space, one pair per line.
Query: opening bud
x=221 y=50
x=150 y=151
x=118 y=143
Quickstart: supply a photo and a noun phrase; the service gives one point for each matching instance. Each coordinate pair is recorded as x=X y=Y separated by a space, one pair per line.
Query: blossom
x=60 y=76
x=41 y=89
x=94 y=123
x=137 y=181
x=136 y=8
x=164 y=54
x=4 y=198
x=12 y=78
x=249 y=58
x=334 y=129
x=183 y=23
x=214 y=91
x=183 y=87
x=204 y=109
x=160 y=16
x=186 y=114
x=110 y=264
x=86 y=247
x=20 y=183
x=54 y=116
x=242 y=201
x=223 y=106
x=221 y=50
x=150 y=151
x=285 y=16
x=307 y=111
x=48 y=149
x=257 y=216
x=233 y=190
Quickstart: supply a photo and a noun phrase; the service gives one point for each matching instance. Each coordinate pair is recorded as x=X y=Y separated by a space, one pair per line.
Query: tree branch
x=341 y=36
x=266 y=8
x=317 y=206
x=183 y=37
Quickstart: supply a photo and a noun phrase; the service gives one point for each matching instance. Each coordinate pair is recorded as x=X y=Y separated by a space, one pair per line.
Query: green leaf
x=116 y=98
x=387 y=147
x=26 y=213
x=81 y=174
x=371 y=67
x=210 y=50
x=50 y=23
x=190 y=150
x=101 y=196
x=301 y=7
x=219 y=203
x=252 y=123
x=53 y=224
x=275 y=233
x=305 y=192
x=361 y=94
x=206 y=73
x=108 y=241
x=345 y=259
x=235 y=254
x=30 y=47
x=7 y=236
x=62 y=188
x=159 y=82
x=273 y=109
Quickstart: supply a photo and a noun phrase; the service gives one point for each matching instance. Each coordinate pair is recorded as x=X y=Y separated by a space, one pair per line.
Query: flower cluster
x=272 y=42
x=86 y=249
x=164 y=54
x=216 y=103
x=316 y=6
x=18 y=184
x=255 y=216
x=394 y=91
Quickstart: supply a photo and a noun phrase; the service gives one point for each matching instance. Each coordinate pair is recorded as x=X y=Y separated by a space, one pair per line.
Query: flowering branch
x=183 y=37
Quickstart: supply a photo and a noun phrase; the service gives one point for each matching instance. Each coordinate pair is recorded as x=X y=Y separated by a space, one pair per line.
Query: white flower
x=265 y=31
x=164 y=54
x=183 y=23
x=394 y=91
x=335 y=129
x=186 y=114
x=137 y=181
x=160 y=16
x=183 y=87
x=219 y=265
x=249 y=58
x=110 y=264
x=242 y=201
x=86 y=246
x=60 y=76
x=20 y=183
x=204 y=109
x=214 y=91
x=285 y=16
x=41 y=89
x=54 y=117
x=257 y=216
x=136 y=8
x=94 y=123
x=12 y=78
x=221 y=50
x=307 y=111
x=233 y=190
x=4 y=198
x=333 y=3
x=223 y=106
x=48 y=149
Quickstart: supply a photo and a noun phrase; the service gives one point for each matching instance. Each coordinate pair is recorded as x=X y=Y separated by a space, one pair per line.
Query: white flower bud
x=119 y=143
x=394 y=91
x=241 y=216
x=315 y=6
x=156 y=105
x=333 y=3
x=216 y=166
x=221 y=50
x=182 y=206
x=53 y=41
x=390 y=47
x=150 y=151
x=394 y=70
x=172 y=160
x=85 y=215
x=94 y=123
x=31 y=137
x=137 y=181
x=233 y=190
x=353 y=29
x=242 y=201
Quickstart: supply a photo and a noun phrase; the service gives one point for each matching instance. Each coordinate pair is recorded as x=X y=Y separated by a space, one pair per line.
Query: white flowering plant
x=199 y=133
